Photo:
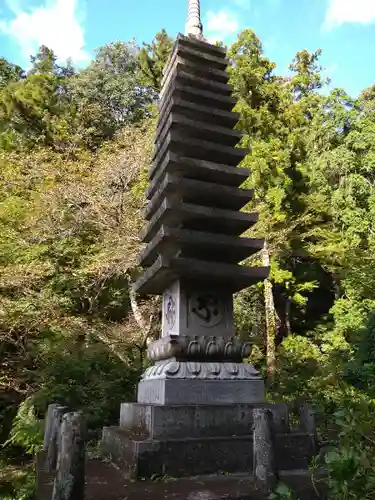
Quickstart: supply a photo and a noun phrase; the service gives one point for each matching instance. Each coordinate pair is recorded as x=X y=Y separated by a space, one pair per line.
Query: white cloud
x=349 y=11
x=220 y=25
x=55 y=24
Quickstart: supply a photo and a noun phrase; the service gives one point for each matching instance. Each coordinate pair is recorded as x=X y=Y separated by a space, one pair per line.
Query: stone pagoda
x=194 y=410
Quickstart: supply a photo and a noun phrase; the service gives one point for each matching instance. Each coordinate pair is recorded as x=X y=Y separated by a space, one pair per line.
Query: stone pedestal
x=189 y=440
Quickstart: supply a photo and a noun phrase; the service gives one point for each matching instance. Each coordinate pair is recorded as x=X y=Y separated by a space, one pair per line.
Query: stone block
x=193 y=421
x=197 y=96
x=206 y=114
x=202 y=55
x=200 y=69
x=171 y=241
x=196 y=129
x=187 y=311
x=192 y=391
x=181 y=73
x=192 y=147
x=202 y=170
x=202 y=45
x=173 y=213
x=198 y=192
x=142 y=458
x=294 y=451
x=166 y=271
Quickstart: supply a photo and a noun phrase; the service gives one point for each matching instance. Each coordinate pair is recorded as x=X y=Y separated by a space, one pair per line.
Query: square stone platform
x=189 y=440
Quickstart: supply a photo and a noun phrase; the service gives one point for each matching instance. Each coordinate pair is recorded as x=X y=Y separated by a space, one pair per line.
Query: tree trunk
x=70 y=477
x=288 y=326
x=270 y=312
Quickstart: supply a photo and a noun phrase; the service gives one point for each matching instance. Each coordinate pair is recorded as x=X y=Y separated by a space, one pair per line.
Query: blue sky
x=344 y=29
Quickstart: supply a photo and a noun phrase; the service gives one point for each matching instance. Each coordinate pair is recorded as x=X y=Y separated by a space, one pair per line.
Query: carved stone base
x=199 y=348
x=174 y=370
x=188 y=383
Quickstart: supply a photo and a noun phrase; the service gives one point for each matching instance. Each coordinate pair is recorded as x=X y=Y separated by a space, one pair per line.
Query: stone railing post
x=263 y=452
x=70 y=476
x=51 y=435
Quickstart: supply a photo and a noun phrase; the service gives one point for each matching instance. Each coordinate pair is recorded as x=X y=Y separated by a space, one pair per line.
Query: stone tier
x=192 y=168
x=186 y=75
x=174 y=213
x=196 y=244
x=197 y=130
x=193 y=147
x=165 y=271
x=159 y=422
x=189 y=440
x=198 y=193
x=202 y=55
x=182 y=382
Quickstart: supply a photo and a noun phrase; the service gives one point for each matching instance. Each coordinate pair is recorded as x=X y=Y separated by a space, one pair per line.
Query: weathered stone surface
x=200 y=391
x=70 y=471
x=196 y=244
x=165 y=150
x=206 y=114
x=202 y=69
x=280 y=418
x=202 y=170
x=202 y=55
x=142 y=458
x=166 y=271
x=307 y=419
x=198 y=96
x=189 y=311
x=197 y=193
x=208 y=47
x=294 y=451
x=182 y=74
x=180 y=421
x=263 y=448
x=197 y=148
x=173 y=213
x=199 y=348
x=195 y=129
x=194 y=370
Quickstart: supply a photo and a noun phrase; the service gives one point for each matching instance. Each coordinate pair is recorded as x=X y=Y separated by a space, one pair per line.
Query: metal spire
x=193 y=25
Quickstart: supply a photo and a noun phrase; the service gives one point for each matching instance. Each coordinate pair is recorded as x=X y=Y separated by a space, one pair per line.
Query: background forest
x=75 y=146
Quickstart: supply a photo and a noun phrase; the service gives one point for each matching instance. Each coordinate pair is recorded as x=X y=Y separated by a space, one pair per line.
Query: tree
x=153 y=58
x=107 y=95
x=9 y=73
x=276 y=114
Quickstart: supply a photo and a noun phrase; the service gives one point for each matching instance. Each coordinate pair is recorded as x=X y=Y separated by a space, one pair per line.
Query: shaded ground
x=106 y=482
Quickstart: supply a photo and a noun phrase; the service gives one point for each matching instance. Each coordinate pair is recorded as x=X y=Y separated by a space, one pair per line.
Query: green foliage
x=27 y=429
x=351 y=467
x=282 y=492
x=152 y=59
x=88 y=379
x=17 y=483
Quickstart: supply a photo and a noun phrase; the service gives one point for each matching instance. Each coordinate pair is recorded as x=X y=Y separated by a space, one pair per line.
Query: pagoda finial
x=193 y=25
